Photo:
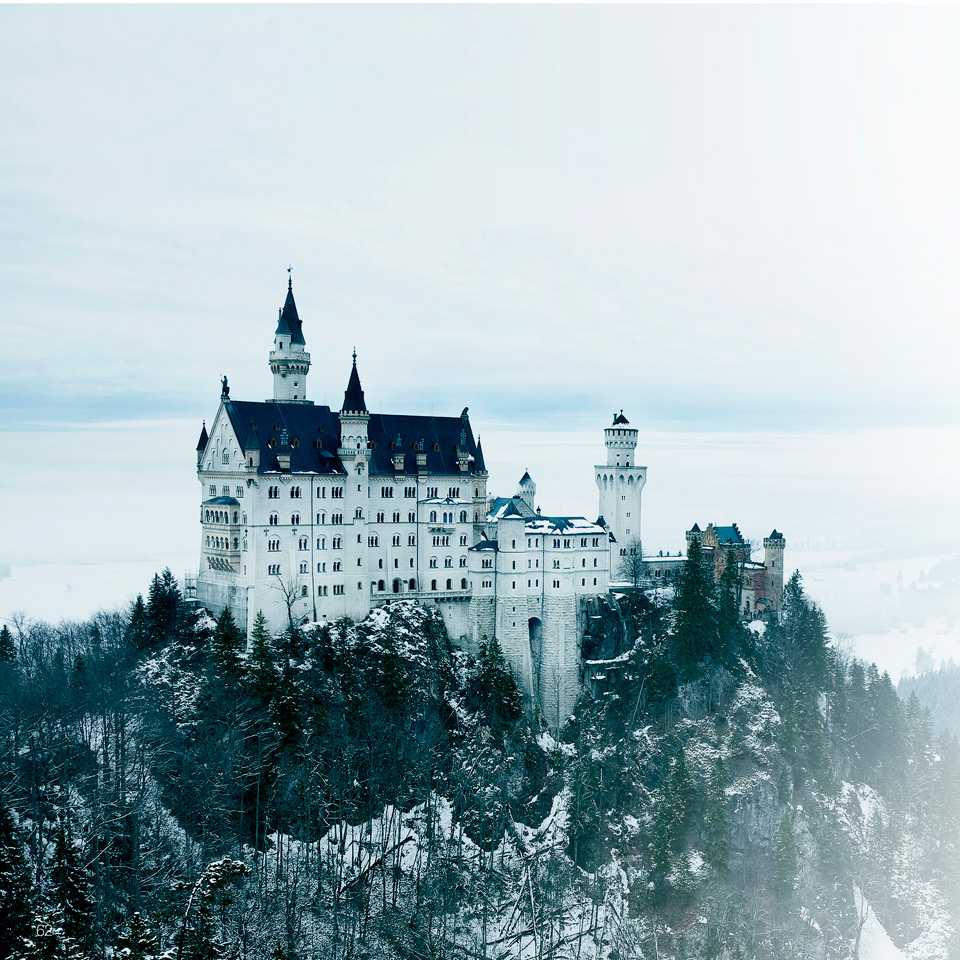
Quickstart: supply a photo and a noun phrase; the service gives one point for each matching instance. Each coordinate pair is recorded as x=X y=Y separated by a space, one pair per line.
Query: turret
x=354 y=419
x=289 y=360
x=620 y=482
x=773 y=547
x=202 y=443
x=620 y=440
x=527 y=490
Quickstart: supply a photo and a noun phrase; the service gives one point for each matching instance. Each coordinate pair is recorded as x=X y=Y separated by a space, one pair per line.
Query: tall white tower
x=620 y=481
x=289 y=360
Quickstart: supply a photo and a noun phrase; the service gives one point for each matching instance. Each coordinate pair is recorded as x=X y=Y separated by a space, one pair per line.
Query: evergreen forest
x=170 y=787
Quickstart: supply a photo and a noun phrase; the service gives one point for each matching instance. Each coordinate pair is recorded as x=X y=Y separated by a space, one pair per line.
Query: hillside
x=366 y=790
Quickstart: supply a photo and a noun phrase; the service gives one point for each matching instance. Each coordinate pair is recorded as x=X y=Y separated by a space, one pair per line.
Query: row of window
x=223 y=543
x=225 y=491
x=448 y=561
x=221 y=516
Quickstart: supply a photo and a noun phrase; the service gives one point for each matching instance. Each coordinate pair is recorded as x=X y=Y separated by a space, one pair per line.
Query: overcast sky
x=738 y=224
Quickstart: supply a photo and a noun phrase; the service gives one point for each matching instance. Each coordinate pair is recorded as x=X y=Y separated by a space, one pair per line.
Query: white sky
x=741 y=225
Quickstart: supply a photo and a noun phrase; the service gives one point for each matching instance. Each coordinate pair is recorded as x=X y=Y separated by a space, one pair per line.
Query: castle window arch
x=294 y=519
x=463 y=561
x=413 y=584
x=274 y=519
x=358 y=513
x=449 y=584
x=433 y=516
x=448 y=561
x=433 y=563
x=433 y=584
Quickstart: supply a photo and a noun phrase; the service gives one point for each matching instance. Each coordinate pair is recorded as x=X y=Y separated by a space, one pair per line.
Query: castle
x=314 y=514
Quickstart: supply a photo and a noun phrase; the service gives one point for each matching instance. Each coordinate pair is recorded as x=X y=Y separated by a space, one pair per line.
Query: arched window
x=304 y=543
x=397 y=586
x=274 y=519
x=337 y=566
x=236 y=543
x=294 y=493
x=433 y=563
x=358 y=513
x=338 y=543
x=463 y=516
x=433 y=516
x=303 y=568
x=433 y=584
x=294 y=519
x=463 y=584
x=449 y=584
x=413 y=584
x=463 y=561
x=381 y=586
x=448 y=561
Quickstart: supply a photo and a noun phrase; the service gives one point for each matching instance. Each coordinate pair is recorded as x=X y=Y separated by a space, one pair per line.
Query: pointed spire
x=289 y=322
x=353 y=396
x=478 y=465
x=202 y=442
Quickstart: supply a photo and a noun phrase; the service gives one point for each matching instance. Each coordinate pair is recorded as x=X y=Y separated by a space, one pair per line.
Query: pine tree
x=15 y=888
x=137 y=942
x=138 y=629
x=8 y=649
x=262 y=666
x=492 y=689
x=729 y=627
x=70 y=885
x=164 y=609
x=225 y=646
x=695 y=614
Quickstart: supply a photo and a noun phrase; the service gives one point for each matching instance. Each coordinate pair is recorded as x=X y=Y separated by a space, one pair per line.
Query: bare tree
x=631 y=568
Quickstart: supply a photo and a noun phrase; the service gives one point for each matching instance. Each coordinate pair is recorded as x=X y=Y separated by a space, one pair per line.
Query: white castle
x=311 y=514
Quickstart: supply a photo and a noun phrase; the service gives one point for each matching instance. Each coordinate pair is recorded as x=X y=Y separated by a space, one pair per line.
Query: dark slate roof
x=308 y=423
x=222 y=502
x=202 y=442
x=695 y=528
x=775 y=536
x=526 y=476
x=486 y=545
x=729 y=534
x=620 y=419
x=289 y=322
x=353 y=395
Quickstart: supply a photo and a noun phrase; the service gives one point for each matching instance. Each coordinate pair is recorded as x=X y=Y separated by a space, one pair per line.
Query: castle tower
x=619 y=482
x=354 y=454
x=773 y=547
x=289 y=360
x=527 y=490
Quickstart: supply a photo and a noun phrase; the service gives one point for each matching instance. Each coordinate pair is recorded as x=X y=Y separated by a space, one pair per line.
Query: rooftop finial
x=354 y=356
x=290 y=277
